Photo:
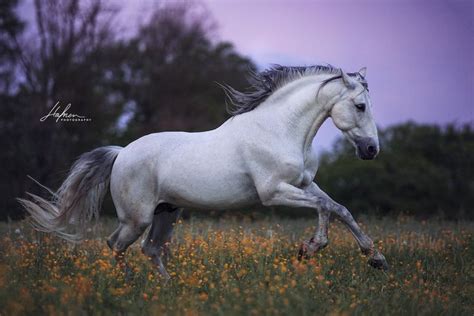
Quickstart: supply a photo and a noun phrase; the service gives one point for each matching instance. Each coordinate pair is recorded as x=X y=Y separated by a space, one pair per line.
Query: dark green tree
x=172 y=69
x=10 y=29
x=421 y=169
x=60 y=60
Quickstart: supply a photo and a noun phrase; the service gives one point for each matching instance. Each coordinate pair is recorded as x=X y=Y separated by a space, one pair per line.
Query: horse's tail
x=79 y=198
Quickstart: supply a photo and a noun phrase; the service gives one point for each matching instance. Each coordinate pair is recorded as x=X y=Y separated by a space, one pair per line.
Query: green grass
x=233 y=266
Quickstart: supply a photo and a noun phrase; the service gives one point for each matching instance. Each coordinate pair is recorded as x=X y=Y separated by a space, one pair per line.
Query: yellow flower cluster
x=243 y=267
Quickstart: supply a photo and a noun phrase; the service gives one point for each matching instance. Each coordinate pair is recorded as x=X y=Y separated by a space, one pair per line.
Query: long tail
x=79 y=198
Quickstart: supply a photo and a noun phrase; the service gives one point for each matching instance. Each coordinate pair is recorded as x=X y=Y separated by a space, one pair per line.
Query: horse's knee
x=342 y=212
x=126 y=234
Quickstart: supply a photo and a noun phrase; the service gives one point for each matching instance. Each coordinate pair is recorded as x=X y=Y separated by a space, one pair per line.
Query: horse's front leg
x=376 y=259
x=313 y=197
x=320 y=238
x=292 y=196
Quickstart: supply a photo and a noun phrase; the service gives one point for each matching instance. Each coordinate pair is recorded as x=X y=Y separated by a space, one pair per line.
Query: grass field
x=231 y=267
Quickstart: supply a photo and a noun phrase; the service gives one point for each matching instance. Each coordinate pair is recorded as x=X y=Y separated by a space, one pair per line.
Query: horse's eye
x=360 y=107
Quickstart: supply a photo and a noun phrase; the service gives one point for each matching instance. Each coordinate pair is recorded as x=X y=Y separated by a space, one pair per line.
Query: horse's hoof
x=378 y=263
x=164 y=276
x=308 y=249
x=164 y=279
x=303 y=252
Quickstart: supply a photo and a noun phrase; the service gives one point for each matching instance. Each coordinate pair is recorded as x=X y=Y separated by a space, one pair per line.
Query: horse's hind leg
x=155 y=245
x=127 y=233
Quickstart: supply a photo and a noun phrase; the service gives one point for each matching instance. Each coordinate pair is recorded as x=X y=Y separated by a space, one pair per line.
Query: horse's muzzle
x=366 y=148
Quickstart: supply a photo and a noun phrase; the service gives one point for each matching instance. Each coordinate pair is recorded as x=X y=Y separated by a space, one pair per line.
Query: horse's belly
x=209 y=192
x=208 y=183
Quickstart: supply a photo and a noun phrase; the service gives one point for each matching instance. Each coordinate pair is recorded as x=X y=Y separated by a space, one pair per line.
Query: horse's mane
x=263 y=84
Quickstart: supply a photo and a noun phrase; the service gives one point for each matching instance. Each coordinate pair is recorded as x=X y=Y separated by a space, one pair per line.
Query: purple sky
x=419 y=54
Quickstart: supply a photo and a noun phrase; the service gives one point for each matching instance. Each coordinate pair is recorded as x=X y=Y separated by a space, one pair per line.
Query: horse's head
x=352 y=114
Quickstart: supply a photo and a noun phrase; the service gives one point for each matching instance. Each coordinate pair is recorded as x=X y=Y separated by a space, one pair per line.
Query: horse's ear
x=347 y=80
x=363 y=71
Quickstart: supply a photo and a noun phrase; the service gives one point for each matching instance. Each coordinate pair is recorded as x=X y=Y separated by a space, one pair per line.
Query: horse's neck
x=296 y=112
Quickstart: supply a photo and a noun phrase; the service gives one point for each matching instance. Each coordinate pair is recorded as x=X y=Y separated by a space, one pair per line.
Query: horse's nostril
x=371 y=150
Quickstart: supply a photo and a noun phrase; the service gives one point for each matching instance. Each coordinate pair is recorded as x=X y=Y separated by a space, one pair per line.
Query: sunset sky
x=419 y=54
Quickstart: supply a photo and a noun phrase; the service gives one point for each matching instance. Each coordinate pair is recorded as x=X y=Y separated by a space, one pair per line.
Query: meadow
x=238 y=266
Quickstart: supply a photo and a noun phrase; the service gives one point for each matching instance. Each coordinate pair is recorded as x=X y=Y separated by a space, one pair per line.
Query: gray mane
x=263 y=84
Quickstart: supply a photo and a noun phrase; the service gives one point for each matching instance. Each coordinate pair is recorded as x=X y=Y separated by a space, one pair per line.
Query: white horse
x=262 y=154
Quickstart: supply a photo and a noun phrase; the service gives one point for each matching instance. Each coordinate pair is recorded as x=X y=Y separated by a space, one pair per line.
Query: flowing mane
x=263 y=84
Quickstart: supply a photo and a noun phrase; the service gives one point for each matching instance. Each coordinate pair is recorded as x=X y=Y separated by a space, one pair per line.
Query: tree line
x=422 y=170
x=163 y=77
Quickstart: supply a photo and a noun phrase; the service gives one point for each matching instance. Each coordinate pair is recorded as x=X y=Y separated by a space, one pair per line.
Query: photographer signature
x=64 y=116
